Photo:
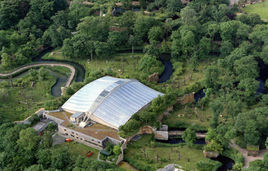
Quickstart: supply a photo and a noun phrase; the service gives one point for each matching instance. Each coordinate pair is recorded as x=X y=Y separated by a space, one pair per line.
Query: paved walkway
x=70 y=67
x=179 y=133
x=58 y=139
x=244 y=152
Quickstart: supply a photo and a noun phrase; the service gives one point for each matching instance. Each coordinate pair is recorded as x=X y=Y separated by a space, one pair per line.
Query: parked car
x=68 y=140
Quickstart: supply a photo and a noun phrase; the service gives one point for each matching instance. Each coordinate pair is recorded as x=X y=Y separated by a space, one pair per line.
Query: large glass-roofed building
x=111 y=101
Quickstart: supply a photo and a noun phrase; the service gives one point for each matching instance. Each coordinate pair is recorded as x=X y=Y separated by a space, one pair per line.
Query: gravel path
x=244 y=152
x=70 y=67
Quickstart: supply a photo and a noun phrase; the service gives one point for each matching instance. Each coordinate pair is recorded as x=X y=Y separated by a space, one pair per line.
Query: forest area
x=213 y=48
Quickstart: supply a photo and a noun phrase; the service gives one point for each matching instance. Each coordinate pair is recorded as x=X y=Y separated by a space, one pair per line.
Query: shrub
x=149 y=65
x=240 y=141
x=189 y=136
x=213 y=146
x=116 y=150
x=208 y=165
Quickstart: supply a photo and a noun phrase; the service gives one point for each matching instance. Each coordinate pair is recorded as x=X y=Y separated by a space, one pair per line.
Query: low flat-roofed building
x=95 y=135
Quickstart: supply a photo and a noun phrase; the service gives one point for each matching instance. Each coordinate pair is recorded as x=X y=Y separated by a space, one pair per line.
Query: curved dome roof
x=111 y=101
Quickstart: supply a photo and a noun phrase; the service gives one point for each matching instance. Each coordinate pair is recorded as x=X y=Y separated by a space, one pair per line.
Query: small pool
x=177 y=140
x=227 y=163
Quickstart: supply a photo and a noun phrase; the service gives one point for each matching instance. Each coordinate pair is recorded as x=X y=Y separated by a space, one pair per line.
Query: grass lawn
x=126 y=166
x=143 y=153
x=23 y=99
x=113 y=64
x=130 y=69
x=258 y=8
x=77 y=149
x=186 y=115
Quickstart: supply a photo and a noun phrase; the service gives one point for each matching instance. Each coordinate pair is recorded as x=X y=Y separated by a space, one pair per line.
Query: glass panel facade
x=111 y=99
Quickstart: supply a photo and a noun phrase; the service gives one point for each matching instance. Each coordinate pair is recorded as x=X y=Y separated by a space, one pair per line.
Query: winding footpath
x=244 y=152
x=70 y=67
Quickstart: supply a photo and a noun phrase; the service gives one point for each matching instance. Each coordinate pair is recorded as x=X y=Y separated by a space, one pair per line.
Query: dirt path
x=70 y=67
x=247 y=159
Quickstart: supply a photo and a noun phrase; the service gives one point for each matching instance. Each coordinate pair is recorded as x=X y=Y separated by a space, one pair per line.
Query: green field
x=188 y=116
x=24 y=97
x=143 y=153
x=258 y=8
x=77 y=149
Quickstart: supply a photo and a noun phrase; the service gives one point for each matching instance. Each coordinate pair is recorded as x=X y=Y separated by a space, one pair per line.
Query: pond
x=199 y=95
x=227 y=163
x=60 y=82
x=168 y=70
x=55 y=89
x=177 y=140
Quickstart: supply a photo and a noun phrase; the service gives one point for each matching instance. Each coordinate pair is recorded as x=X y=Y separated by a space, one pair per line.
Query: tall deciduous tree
x=174 y=5
x=189 y=136
x=155 y=34
x=28 y=139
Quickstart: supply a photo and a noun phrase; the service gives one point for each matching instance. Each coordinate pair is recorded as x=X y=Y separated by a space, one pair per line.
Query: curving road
x=70 y=67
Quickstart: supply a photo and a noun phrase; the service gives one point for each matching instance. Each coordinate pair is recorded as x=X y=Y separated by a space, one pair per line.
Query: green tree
x=28 y=139
x=250 y=19
x=226 y=48
x=266 y=143
x=248 y=88
x=174 y=5
x=103 y=49
x=189 y=136
x=118 y=38
x=60 y=158
x=246 y=67
x=213 y=146
x=207 y=165
x=219 y=13
x=35 y=168
x=116 y=150
x=205 y=47
x=6 y=61
x=42 y=74
x=264 y=54
x=152 y=50
x=155 y=34
x=189 y=16
x=212 y=77
x=12 y=11
x=94 y=28
x=44 y=157
x=149 y=64
x=142 y=26
x=54 y=35
x=211 y=135
x=133 y=41
x=47 y=140
x=131 y=125
x=216 y=107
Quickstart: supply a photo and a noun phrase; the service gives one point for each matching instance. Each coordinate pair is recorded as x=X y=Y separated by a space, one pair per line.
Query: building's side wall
x=82 y=138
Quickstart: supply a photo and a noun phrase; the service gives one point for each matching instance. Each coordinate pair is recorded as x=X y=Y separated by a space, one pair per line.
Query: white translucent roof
x=110 y=100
